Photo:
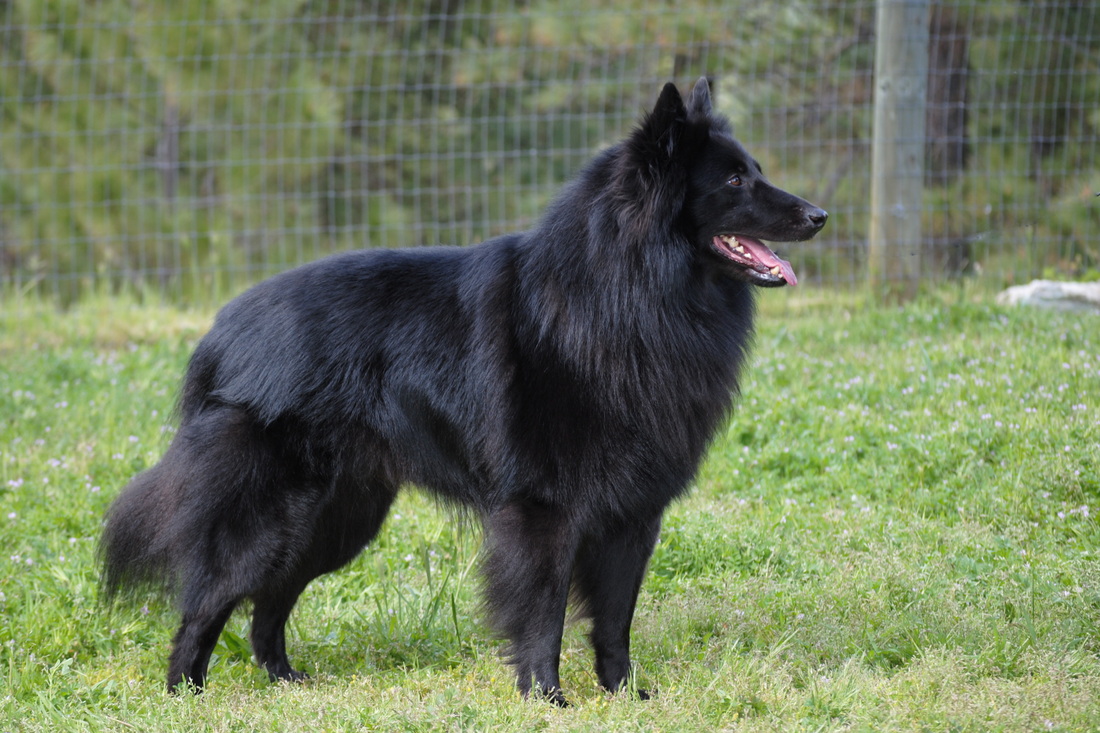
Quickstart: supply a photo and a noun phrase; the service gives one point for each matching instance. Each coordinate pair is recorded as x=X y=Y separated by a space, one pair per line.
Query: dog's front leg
x=530 y=553
x=609 y=570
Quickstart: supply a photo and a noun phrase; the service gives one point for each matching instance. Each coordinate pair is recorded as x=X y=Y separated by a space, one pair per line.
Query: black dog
x=563 y=382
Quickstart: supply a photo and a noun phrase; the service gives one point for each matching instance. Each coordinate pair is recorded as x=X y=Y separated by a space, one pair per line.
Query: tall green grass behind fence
x=186 y=149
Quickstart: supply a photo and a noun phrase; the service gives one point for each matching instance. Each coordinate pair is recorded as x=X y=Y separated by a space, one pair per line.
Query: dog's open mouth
x=762 y=265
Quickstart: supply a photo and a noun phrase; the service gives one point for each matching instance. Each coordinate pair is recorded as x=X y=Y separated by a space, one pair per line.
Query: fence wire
x=186 y=149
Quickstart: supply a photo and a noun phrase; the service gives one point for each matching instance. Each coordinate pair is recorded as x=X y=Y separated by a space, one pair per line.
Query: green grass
x=897 y=531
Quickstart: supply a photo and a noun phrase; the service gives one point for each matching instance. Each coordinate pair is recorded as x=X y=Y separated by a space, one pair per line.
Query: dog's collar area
x=764 y=266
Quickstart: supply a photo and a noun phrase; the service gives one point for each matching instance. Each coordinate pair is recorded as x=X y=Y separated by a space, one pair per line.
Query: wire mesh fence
x=186 y=149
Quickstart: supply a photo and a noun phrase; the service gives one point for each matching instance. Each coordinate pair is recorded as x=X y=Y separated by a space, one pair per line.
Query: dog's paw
x=287 y=674
x=554 y=696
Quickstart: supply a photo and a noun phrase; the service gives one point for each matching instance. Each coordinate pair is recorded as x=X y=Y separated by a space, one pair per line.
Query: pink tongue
x=762 y=254
x=788 y=272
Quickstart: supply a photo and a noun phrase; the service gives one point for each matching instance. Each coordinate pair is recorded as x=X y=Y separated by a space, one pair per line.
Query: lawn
x=896 y=531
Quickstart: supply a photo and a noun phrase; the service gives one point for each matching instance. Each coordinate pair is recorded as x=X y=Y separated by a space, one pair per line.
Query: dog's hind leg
x=608 y=574
x=269 y=617
x=194 y=642
x=528 y=566
x=233 y=526
x=349 y=521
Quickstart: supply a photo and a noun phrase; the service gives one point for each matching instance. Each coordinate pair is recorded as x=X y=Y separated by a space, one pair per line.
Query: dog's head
x=723 y=203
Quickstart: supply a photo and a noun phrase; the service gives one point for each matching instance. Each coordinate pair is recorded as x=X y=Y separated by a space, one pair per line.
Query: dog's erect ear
x=670 y=101
x=699 y=105
x=664 y=124
x=651 y=180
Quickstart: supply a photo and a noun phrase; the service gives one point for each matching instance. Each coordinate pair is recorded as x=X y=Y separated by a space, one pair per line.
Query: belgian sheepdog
x=562 y=383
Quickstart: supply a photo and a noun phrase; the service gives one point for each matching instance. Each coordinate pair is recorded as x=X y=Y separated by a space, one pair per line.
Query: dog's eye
x=735 y=181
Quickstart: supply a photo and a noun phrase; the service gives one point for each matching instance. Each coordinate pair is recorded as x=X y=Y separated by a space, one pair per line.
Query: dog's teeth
x=735 y=246
x=775 y=270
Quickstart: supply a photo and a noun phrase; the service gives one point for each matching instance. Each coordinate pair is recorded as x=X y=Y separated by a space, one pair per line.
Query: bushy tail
x=136 y=546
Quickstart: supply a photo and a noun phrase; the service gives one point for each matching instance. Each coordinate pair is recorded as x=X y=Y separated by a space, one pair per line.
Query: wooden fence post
x=897 y=155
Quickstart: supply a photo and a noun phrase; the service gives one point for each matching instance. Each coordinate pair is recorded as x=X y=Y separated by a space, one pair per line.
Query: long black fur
x=563 y=383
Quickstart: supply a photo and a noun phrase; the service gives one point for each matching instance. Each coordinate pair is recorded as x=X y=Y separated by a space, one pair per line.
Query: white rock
x=1067 y=296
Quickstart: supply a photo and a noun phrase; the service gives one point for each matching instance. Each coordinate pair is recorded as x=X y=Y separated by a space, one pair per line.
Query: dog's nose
x=818 y=217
